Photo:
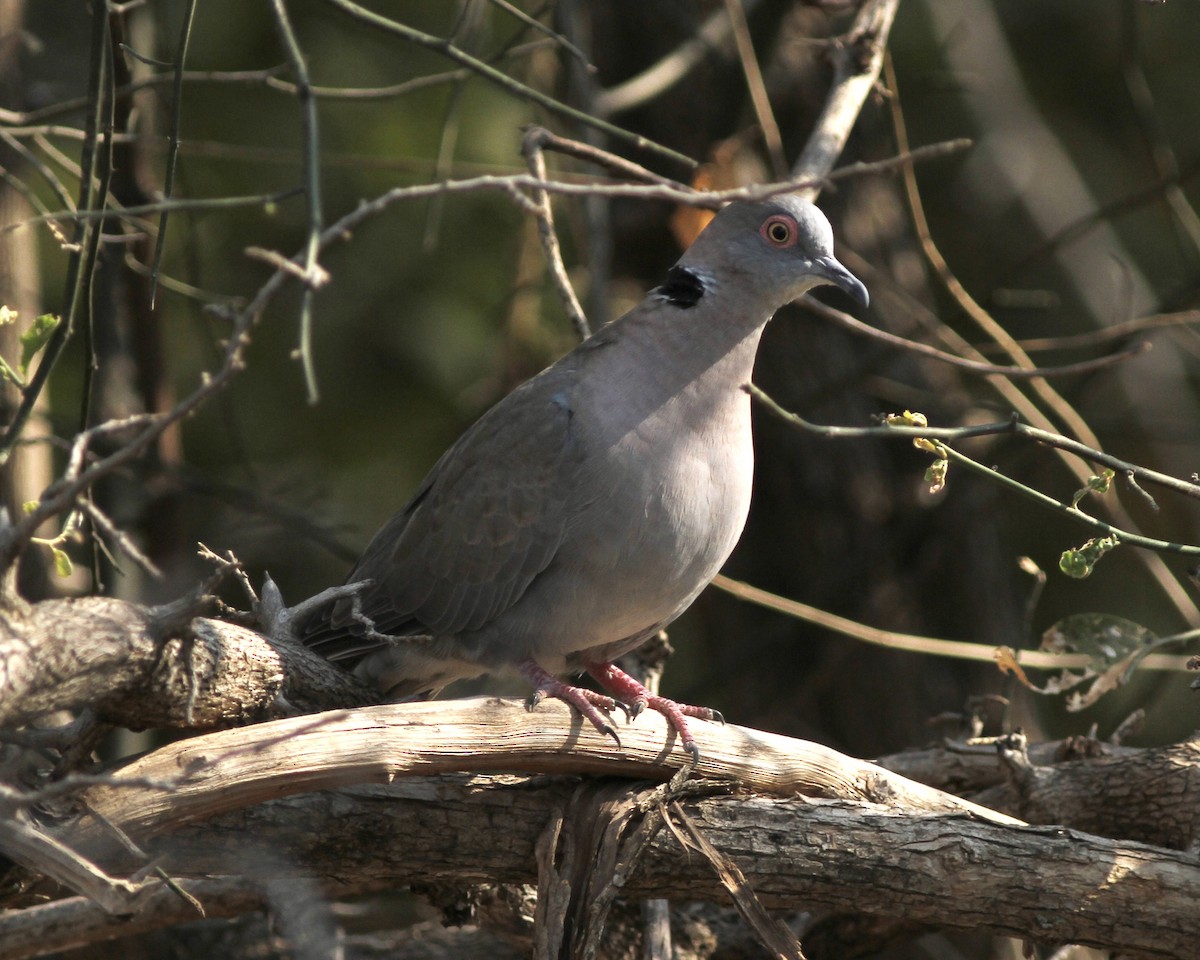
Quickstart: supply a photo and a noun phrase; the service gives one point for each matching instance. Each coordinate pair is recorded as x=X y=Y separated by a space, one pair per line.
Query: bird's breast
x=667 y=508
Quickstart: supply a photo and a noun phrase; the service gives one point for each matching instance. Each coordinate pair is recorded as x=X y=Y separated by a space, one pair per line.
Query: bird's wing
x=488 y=518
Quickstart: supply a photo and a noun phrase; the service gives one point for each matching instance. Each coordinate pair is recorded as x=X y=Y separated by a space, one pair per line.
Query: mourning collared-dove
x=588 y=508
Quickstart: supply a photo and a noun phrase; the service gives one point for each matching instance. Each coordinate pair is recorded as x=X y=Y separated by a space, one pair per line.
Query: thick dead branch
x=118 y=659
x=1145 y=795
x=884 y=846
x=229 y=769
x=943 y=869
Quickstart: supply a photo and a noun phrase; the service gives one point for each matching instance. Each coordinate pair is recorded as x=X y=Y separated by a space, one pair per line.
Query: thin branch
x=930 y=646
x=312 y=192
x=1116 y=331
x=119 y=538
x=1061 y=506
x=612 y=162
x=34 y=849
x=535 y=24
x=504 y=81
x=185 y=35
x=1014 y=426
x=1126 y=537
x=266 y=200
x=660 y=77
x=1135 y=199
x=531 y=147
x=52 y=180
x=756 y=87
x=855 y=325
x=77 y=278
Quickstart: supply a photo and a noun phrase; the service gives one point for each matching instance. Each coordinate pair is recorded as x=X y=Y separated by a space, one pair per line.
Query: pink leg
x=623 y=686
x=587 y=702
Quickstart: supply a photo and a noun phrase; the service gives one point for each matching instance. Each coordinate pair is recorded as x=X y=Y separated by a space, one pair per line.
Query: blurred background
x=1073 y=212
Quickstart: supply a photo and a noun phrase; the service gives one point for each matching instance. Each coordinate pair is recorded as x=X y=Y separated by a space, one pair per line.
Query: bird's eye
x=779 y=231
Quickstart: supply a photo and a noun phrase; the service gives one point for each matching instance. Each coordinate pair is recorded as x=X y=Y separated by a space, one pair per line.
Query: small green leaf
x=1079 y=562
x=1099 y=483
x=29 y=506
x=62 y=562
x=36 y=337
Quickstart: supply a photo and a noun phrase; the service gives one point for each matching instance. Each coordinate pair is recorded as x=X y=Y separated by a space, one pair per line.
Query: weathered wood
x=133 y=669
x=944 y=870
x=230 y=769
x=240 y=802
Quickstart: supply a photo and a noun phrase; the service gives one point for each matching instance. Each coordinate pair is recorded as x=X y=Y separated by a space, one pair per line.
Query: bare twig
x=28 y=845
x=931 y=646
x=312 y=192
x=531 y=147
x=756 y=87
x=185 y=35
x=505 y=82
x=119 y=538
x=266 y=200
x=1115 y=331
x=849 y=322
x=535 y=24
x=658 y=78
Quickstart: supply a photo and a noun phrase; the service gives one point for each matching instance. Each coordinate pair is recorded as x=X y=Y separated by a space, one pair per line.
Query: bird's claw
x=587 y=702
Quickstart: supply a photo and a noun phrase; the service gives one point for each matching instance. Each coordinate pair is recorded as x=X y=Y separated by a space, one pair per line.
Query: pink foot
x=587 y=702
x=623 y=686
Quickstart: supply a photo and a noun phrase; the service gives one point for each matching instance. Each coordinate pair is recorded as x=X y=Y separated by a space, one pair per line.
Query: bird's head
x=776 y=249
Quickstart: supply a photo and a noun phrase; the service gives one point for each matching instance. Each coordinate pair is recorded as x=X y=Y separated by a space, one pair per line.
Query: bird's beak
x=833 y=272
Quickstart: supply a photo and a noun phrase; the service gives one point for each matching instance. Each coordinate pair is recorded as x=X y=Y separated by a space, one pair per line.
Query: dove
x=588 y=508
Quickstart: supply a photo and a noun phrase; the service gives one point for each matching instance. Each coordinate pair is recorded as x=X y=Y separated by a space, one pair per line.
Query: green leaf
x=62 y=562
x=1098 y=483
x=1079 y=562
x=36 y=337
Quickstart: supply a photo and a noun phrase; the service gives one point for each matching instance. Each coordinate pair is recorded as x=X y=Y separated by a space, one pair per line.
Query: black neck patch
x=682 y=288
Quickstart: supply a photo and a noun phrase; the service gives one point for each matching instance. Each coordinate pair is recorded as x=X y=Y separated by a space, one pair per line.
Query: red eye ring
x=779 y=230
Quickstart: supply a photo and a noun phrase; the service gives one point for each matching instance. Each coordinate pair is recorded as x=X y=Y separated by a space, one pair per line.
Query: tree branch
x=938 y=869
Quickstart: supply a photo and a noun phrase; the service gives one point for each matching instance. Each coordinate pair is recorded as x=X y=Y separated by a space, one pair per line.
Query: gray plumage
x=589 y=507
